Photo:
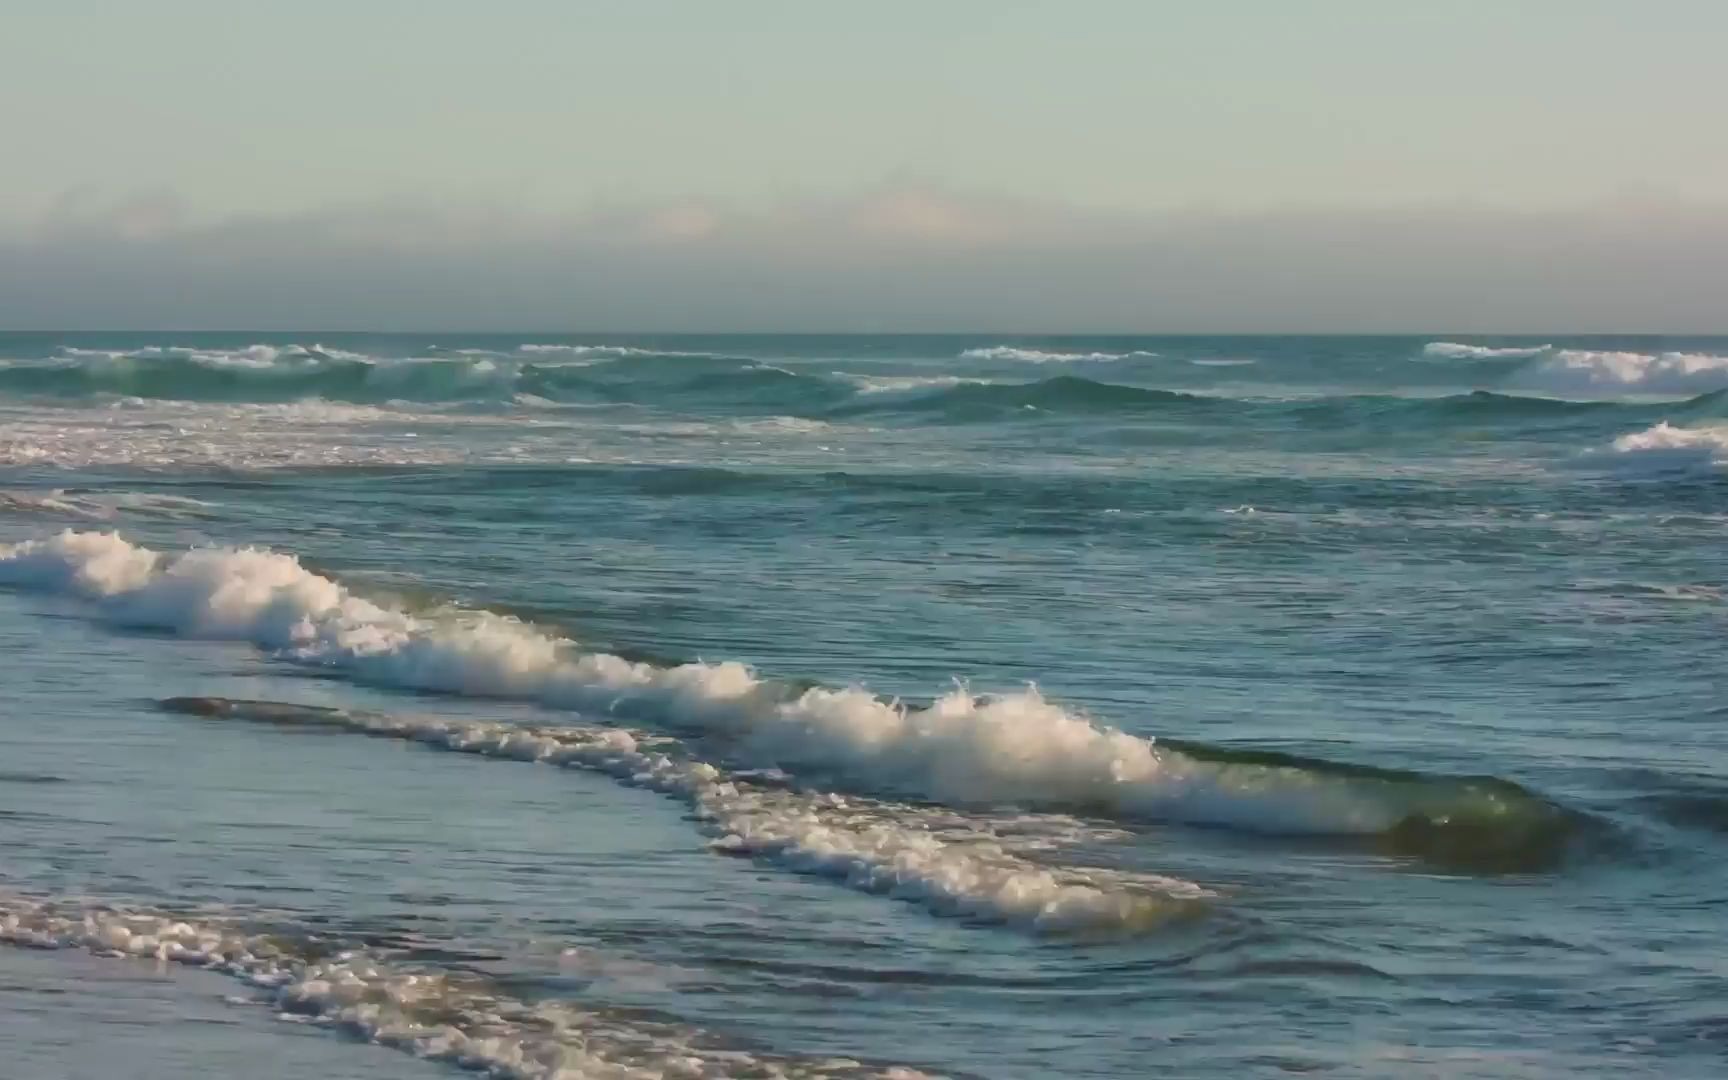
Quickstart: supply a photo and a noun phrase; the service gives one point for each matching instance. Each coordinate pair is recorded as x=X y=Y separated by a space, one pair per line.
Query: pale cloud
x=912 y=257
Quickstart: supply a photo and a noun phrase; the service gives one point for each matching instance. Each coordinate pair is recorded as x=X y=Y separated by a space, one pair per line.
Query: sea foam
x=1667 y=448
x=441 y=1015
x=1594 y=373
x=1041 y=356
x=1453 y=350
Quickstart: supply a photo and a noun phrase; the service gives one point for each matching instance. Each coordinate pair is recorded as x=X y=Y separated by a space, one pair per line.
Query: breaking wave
x=1667 y=448
x=1453 y=350
x=963 y=749
x=556 y=376
x=1596 y=373
x=604 y=351
x=963 y=399
x=1591 y=373
x=1041 y=356
x=902 y=384
x=287 y=373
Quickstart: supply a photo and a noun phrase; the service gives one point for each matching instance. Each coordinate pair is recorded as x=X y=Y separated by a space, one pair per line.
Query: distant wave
x=899 y=384
x=257 y=373
x=1041 y=356
x=1590 y=373
x=250 y=356
x=603 y=351
x=268 y=374
x=1597 y=373
x=963 y=749
x=1488 y=405
x=1452 y=350
x=1668 y=448
x=350 y=387
x=961 y=398
x=283 y=375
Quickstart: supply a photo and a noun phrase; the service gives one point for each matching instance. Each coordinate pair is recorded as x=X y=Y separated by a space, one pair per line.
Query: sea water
x=841 y=706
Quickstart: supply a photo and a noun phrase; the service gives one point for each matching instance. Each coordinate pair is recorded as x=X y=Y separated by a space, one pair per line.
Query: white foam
x=1453 y=350
x=890 y=384
x=782 y=425
x=948 y=864
x=163 y=434
x=1588 y=373
x=1666 y=448
x=1040 y=356
x=255 y=357
x=601 y=351
x=767 y=425
x=466 y=371
x=455 y=1018
x=963 y=749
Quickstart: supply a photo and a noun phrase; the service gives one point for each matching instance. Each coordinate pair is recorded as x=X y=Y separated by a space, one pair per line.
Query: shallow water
x=647 y=706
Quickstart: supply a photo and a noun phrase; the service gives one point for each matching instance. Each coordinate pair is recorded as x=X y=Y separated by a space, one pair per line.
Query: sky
x=1317 y=165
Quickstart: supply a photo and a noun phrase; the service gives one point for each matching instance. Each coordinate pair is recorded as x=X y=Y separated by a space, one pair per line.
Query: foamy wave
x=261 y=373
x=1040 y=356
x=1588 y=373
x=894 y=384
x=254 y=357
x=457 y=1018
x=612 y=352
x=1666 y=448
x=1453 y=350
x=166 y=434
x=963 y=749
x=947 y=864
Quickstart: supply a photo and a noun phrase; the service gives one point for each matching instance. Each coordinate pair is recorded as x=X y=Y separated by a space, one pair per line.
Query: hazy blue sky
x=154 y=150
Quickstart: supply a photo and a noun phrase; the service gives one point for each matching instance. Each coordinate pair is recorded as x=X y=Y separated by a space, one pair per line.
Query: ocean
x=391 y=705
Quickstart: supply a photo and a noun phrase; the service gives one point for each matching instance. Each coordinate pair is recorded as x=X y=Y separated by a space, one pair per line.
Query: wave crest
x=1024 y=355
x=1593 y=373
x=1668 y=448
x=1454 y=350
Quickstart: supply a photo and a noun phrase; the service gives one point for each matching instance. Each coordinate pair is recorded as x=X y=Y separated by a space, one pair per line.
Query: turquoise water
x=825 y=706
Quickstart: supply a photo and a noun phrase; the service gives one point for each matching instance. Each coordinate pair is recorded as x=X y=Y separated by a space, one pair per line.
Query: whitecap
x=1592 y=373
x=1666 y=448
x=1041 y=356
x=1453 y=350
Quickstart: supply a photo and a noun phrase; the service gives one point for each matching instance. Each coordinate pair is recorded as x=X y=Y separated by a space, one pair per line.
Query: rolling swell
x=962 y=749
x=695 y=382
x=268 y=374
x=1481 y=823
